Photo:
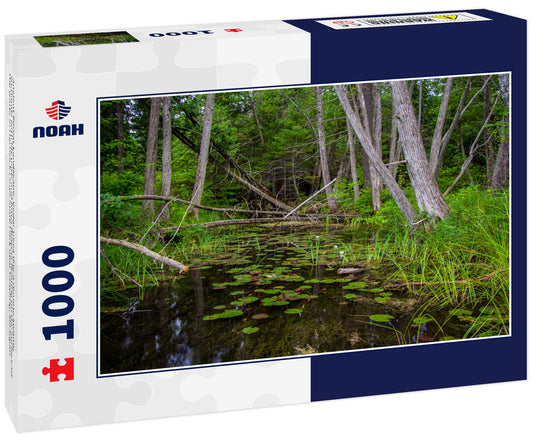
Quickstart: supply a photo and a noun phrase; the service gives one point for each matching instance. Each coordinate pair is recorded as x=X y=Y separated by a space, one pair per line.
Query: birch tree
x=120 y=135
x=500 y=174
x=203 y=155
x=332 y=203
x=366 y=141
x=427 y=192
x=166 y=153
x=353 y=163
x=151 y=152
x=370 y=103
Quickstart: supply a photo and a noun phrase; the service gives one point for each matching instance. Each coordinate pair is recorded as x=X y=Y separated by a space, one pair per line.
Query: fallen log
x=350 y=270
x=301 y=219
x=199 y=206
x=147 y=252
x=229 y=222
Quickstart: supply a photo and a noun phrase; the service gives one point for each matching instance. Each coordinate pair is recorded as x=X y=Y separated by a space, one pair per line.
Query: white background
x=488 y=414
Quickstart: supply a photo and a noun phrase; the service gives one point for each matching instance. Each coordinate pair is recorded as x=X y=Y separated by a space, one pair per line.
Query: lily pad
x=356 y=285
x=280 y=303
x=381 y=317
x=294 y=311
x=259 y=316
x=211 y=317
x=268 y=301
x=350 y=296
x=381 y=299
x=376 y=289
x=250 y=330
x=219 y=287
x=422 y=319
x=248 y=299
x=268 y=291
x=230 y=313
x=243 y=301
x=291 y=278
x=242 y=277
x=220 y=307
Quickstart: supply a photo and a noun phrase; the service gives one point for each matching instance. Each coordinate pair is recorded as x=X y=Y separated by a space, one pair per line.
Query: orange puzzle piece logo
x=55 y=369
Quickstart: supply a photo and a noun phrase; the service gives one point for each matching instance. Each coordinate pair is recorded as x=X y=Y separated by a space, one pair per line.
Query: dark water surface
x=287 y=286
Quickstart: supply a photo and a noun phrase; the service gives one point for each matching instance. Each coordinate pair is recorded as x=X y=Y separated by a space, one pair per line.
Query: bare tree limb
x=147 y=252
x=170 y=199
x=473 y=149
x=236 y=222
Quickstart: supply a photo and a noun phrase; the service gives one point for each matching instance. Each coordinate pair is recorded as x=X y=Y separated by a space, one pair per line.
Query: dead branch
x=145 y=251
x=234 y=222
x=115 y=271
x=170 y=199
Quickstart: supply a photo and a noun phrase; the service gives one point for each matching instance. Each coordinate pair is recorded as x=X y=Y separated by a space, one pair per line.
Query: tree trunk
x=461 y=108
x=489 y=149
x=420 y=96
x=428 y=195
x=376 y=161
x=332 y=204
x=500 y=176
x=395 y=151
x=473 y=149
x=166 y=155
x=243 y=177
x=370 y=102
x=120 y=135
x=198 y=188
x=254 y=112
x=150 y=170
x=436 y=142
x=353 y=164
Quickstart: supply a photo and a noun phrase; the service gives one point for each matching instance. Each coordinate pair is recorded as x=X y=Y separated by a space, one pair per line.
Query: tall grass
x=461 y=261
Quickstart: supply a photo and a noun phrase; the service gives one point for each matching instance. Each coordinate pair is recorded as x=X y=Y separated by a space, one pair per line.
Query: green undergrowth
x=462 y=260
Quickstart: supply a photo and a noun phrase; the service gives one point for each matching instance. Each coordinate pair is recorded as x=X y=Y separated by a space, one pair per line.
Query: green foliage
x=382 y=318
x=123 y=184
x=250 y=330
x=466 y=255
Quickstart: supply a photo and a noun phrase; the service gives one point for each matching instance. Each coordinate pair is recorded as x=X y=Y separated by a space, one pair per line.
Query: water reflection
x=165 y=326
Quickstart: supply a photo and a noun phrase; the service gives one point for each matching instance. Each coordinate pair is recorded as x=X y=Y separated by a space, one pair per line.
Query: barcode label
x=402 y=20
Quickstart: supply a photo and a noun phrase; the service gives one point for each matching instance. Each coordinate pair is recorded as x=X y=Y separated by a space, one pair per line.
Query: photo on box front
x=272 y=223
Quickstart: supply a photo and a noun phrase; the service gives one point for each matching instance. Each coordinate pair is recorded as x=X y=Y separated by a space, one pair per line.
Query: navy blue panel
x=409 y=51
x=424 y=51
x=415 y=368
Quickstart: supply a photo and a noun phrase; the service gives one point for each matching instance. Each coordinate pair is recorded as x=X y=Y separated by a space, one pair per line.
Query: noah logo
x=57 y=111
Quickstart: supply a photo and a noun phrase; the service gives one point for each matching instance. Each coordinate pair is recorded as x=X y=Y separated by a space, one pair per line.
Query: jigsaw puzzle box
x=224 y=216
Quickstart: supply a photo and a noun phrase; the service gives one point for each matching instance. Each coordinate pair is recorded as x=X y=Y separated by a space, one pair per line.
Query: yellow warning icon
x=446 y=17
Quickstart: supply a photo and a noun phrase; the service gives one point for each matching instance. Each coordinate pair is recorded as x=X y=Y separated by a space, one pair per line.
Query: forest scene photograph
x=281 y=222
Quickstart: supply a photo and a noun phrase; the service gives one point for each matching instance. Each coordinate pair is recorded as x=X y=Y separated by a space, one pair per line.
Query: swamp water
x=263 y=296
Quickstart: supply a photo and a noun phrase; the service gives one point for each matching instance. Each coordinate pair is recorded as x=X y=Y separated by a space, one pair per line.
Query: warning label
x=402 y=20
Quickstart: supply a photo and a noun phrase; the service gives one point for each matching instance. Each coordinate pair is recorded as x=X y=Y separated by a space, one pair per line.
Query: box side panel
x=11 y=93
x=468 y=49
x=58 y=206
